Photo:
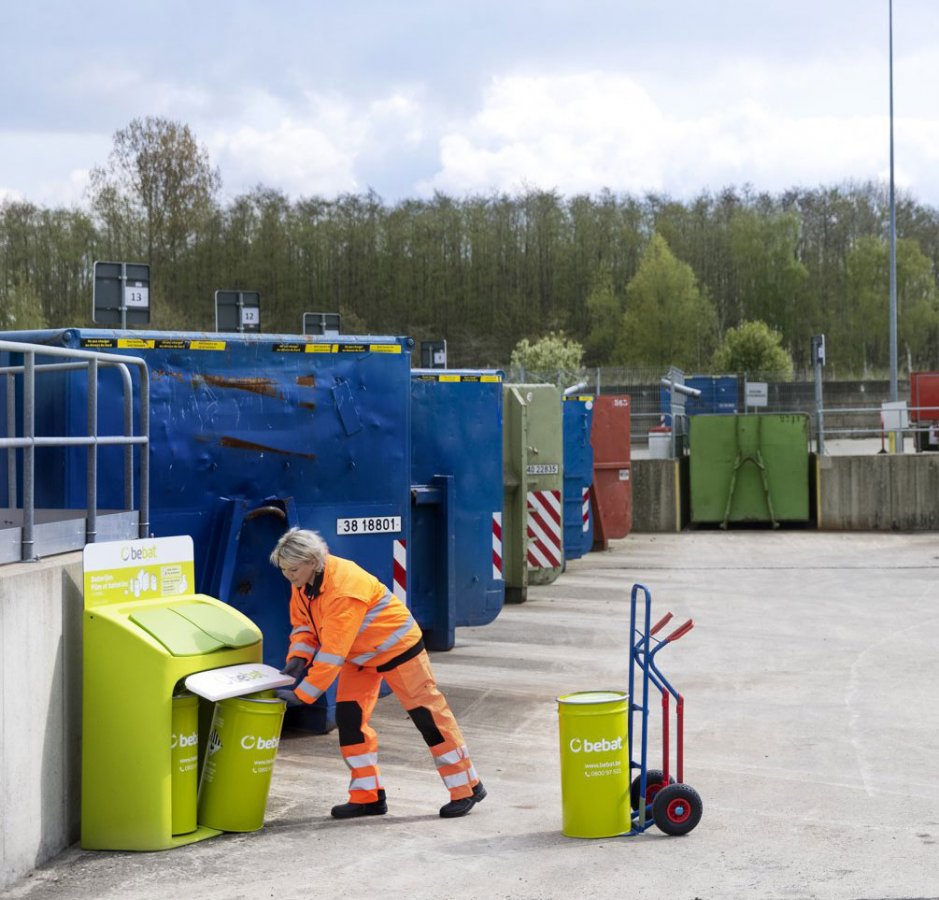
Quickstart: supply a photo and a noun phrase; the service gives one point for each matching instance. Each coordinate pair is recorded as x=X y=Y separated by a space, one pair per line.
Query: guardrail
x=28 y=440
x=842 y=423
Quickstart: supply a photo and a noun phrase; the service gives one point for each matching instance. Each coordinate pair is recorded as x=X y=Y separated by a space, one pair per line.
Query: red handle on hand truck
x=661 y=623
x=681 y=631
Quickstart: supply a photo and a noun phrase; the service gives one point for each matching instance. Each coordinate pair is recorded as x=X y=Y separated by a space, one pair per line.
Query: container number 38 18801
x=369 y=525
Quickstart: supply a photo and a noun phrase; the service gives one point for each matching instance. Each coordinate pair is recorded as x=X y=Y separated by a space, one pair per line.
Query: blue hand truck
x=657 y=797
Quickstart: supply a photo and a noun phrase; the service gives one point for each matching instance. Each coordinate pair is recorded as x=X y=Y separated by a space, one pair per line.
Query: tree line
x=638 y=280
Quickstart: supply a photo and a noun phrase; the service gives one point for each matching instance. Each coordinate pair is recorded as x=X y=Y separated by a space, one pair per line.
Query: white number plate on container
x=369 y=525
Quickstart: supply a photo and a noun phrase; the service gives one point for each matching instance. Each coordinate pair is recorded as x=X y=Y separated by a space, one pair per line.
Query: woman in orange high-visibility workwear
x=346 y=623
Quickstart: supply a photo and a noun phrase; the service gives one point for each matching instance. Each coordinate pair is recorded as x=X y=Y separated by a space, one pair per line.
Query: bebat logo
x=577 y=745
x=184 y=740
x=133 y=554
x=250 y=742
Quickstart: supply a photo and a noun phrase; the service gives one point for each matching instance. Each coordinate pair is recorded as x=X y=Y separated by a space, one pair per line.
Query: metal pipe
x=91 y=459
x=87 y=441
x=144 y=515
x=29 y=454
x=128 y=432
x=11 y=432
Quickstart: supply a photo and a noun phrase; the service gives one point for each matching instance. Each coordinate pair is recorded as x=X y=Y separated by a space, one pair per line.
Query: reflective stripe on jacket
x=354 y=618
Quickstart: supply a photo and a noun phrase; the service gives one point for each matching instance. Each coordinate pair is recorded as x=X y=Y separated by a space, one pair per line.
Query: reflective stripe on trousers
x=413 y=684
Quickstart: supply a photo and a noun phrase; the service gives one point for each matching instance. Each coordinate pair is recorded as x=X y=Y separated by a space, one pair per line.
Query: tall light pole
x=893 y=239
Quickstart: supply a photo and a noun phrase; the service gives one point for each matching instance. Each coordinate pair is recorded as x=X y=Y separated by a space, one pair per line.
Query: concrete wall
x=40 y=711
x=655 y=495
x=879 y=492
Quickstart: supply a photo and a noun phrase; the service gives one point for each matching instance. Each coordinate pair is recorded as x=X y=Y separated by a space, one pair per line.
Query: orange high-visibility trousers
x=412 y=682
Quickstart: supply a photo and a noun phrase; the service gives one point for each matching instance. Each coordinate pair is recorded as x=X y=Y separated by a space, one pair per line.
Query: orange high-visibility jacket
x=354 y=618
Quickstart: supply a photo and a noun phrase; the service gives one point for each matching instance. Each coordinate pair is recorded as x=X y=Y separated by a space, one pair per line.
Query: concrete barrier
x=879 y=492
x=656 y=495
x=40 y=712
x=873 y=492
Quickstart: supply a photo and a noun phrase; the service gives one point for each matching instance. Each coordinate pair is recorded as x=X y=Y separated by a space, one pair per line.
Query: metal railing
x=28 y=440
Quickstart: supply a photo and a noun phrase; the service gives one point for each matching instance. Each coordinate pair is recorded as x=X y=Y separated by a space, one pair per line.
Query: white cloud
x=585 y=132
x=573 y=132
x=315 y=149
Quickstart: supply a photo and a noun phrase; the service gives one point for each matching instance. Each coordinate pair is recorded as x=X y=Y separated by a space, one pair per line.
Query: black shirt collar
x=312 y=589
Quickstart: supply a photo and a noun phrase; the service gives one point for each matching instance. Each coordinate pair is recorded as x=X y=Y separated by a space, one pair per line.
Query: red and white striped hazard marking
x=585 y=508
x=544 y=529
x=400 y=574
x=497 y=545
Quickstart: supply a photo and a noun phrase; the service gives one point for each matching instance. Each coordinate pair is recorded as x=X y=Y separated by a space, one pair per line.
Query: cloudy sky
x=473 y=96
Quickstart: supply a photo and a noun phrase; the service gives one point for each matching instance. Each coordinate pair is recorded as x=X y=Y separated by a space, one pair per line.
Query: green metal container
x=184 y=763
x=533 y=479
x=749 y=468
x=594 y=727
x=239 y=762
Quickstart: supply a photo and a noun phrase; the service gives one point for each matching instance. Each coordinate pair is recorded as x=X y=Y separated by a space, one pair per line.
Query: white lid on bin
x=236 y=681
x=594 y=697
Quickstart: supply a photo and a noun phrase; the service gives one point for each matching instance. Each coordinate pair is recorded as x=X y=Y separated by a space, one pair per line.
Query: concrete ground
x=812 y=734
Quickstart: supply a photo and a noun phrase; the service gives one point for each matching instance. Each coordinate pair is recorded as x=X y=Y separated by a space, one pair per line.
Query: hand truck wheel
x=677 y=809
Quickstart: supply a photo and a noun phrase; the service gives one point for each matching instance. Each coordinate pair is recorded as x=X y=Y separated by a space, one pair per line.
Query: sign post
x=818 y=360
x=121 y=294
x=237 y=311
x=321 y=323
x=755 y=393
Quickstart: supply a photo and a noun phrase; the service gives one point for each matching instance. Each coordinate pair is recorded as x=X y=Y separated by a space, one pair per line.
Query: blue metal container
x=719 y=395
x=577 y=418
x=252 y=434
x=455 y=576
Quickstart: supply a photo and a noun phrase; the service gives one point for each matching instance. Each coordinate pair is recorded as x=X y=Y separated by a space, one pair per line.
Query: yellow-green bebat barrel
x=594 y=764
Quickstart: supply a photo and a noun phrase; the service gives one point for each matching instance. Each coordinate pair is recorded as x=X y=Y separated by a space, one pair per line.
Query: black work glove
x=289 y=697
x=295 y=668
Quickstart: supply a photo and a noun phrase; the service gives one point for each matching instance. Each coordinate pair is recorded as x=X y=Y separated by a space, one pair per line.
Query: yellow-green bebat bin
x=144 y=632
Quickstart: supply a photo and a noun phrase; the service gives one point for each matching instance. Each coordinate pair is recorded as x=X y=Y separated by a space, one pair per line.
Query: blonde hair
x=300 y=545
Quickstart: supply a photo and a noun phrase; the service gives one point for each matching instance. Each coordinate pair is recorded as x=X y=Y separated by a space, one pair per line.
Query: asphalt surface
x=812 y=735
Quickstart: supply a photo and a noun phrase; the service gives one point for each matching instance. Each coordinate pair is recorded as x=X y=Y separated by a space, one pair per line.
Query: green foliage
x=604 y=315
x=753 y=347
x=668 y=320
x=865 y=326
x=154 y=197
x=555 y=352
x=485 y=271
x=20 y=309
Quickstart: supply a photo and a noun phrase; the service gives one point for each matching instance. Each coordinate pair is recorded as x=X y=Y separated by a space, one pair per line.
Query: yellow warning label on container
x=322 y=348
x=454 y=378
x=207 y=345
x=385 y=348
x=135 y=344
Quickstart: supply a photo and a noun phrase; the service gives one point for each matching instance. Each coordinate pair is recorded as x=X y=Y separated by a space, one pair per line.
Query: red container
x=924 y=409
x=611 y=494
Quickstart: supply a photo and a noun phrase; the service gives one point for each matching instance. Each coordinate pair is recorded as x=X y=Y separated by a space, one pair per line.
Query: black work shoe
x=353 y=810
x=456 y=808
